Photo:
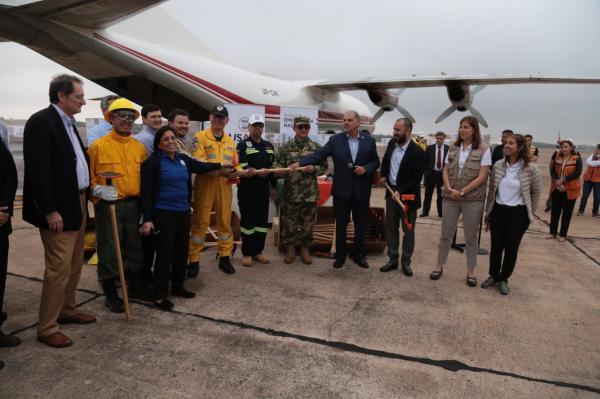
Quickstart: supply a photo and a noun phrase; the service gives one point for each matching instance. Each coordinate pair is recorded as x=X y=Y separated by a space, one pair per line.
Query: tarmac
x=312 y=331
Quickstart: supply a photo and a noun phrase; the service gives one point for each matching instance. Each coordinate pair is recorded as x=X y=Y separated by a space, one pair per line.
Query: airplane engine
x=387 y=101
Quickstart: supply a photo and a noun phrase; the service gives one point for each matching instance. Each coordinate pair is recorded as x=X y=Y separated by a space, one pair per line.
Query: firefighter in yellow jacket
x=213 y=192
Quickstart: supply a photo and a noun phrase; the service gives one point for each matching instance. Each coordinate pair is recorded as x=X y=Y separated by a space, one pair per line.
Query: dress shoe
x=435 y=275
x=305 y=256
x=77 y=318
x=1 y=364
x=388 y=267
x=361 y=262
x=338 y=263
x=182 y=292
x=193 y=268
x=260 y=258
x=225 y=265
x=56 y=340
x=111 y=298
x=164 y=304
x=3 y=316
x=504 y=287
x=472 y=281
x=290 y=254
x=489 y=282
x=423 y=215
x=247 y=261
x=407 y=270
x=7 y=341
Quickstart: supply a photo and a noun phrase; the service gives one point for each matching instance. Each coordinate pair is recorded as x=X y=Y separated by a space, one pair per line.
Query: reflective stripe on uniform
x=261 y=230
x=244 y=164
x=197 y=240
x=251 y=151
x=223 y=237
x=247 y=231
x=270 y=151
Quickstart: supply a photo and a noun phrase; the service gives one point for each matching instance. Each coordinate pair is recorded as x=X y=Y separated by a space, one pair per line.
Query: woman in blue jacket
x=166 y=194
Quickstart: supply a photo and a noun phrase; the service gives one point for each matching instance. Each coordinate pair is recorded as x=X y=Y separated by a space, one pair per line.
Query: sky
x=387 y=39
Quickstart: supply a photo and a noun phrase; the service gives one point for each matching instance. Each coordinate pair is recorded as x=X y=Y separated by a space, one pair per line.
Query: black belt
x=125 y=199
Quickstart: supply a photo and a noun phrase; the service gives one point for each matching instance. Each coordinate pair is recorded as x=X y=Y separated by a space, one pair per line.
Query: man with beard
x=179 y=121
x=402 y=169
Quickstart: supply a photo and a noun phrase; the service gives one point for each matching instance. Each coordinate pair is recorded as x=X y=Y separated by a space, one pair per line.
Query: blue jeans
x=588 y=187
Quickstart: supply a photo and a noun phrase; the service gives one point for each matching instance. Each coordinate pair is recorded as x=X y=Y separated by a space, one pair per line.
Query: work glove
x=106 y=193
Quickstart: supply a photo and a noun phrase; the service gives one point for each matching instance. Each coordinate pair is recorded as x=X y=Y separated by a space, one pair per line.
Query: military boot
x=290 y=254
x=225 y=265
x=305 y=255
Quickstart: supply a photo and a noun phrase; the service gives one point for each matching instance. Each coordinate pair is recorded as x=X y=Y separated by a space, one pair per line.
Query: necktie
x=439 y=159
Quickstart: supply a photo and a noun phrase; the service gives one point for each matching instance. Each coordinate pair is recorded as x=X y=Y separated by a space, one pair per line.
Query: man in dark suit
x=8 y=188
x=54 y=200
x=436 y=155
x=355 y=160
x=498 y=152
x=402 y=169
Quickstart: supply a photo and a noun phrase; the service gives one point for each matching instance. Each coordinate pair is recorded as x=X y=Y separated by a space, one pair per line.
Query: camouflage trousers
x=297 y=222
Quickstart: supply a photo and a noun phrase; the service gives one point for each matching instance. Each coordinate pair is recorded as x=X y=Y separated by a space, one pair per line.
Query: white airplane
x=129 y=62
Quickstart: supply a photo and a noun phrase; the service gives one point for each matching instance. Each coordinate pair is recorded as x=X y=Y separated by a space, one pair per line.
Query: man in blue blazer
x=355 y=160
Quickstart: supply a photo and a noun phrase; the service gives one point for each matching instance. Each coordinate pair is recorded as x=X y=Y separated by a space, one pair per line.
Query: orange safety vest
x=592 y=174
x=573 y=186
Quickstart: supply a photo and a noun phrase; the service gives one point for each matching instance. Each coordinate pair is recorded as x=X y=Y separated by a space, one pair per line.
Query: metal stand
x=461 y=247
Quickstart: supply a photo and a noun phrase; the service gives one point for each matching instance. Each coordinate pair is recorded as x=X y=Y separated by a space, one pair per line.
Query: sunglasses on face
x=125 y=116
x=303 y=127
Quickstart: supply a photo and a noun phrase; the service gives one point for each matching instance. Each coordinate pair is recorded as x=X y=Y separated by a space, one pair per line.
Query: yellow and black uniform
x=253 y=194
x=123 y=155
x=212 y=193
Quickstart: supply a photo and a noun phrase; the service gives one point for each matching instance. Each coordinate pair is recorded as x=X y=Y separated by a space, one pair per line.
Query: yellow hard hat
x=122 y=103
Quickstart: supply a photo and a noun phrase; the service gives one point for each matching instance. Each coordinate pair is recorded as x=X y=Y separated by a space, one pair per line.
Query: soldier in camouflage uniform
x=301 y=192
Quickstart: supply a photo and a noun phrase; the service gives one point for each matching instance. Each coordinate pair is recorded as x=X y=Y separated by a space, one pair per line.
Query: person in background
x=8 y=188
x=166 y=194
x=513 y=195
x=104 y=127
x=565 y=170
x=152 y=121
x=179 y=121
x=465 y=177
x=436 y=156
x=591 y=183
x=4 y=134
x=534 y=153
x=498 y=152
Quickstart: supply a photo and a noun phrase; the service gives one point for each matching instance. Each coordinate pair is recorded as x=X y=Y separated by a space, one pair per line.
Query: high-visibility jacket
x=573 y=186
x=212 y=193
x=119 y=154
x=592 y=173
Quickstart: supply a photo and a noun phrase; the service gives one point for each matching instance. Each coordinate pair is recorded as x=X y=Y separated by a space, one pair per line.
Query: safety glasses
x=125 y=116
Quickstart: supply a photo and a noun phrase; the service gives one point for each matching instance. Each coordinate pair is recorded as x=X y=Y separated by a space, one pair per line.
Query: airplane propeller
x=464 y=104
x=387 y=102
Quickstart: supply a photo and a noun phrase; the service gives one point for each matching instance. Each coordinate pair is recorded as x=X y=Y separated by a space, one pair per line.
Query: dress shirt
x=83 y=172
x=439 y=149
x=395 y=161
x=509 y=187
x=353 y=143
x=98 y=131
x=146 y=137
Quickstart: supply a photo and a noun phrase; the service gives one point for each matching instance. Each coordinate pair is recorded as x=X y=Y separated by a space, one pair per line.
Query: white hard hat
x=256 y=118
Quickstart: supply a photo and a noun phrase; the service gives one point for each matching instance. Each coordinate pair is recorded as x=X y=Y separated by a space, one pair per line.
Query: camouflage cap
x=301 y=120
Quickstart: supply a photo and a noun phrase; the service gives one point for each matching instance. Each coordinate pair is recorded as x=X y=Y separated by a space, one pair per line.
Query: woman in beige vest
x=465 y=176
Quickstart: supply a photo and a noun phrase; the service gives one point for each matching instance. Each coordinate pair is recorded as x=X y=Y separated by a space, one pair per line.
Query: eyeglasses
x=303 y=127
x=125 y=116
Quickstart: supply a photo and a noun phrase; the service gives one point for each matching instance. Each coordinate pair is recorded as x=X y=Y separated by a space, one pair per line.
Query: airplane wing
x=446 y=80
x=91 y=14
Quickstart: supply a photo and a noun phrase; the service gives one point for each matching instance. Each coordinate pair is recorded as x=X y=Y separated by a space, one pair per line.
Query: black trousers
x=561 y=204
x=172 y=239
x=342 y=209
x=149 y=250
x=434 y=180
x=394 y=217
x=507 y=227
x=3 y=269
x=254 y=223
